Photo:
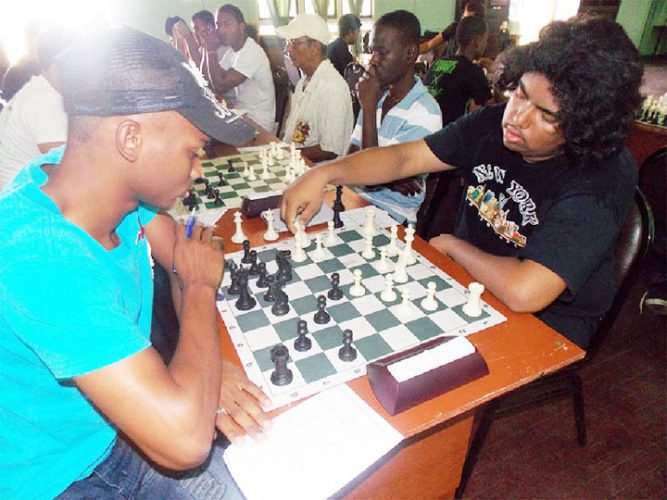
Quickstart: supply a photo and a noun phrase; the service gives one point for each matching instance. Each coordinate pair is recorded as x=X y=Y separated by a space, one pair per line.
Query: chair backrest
x=653 y=183
x=633 y=243
x=352 y=74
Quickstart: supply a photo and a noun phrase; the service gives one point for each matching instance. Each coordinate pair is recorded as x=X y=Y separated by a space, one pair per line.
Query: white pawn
x=369 y=223
x=357 y=289
x=407 y=250
x=406 y=307
x=288 y=173
x=271 y=234
x=383 y=263
x=474 y=306
x=246 y=170
x=392 y=247
x=265 y=170
x=429 y=303
x=400 y=273
x=331 y=235
x=388 y=294
x=239 y=235
x=369 y=252
x=272 y=145
x=280 y=153
x=319 y=251
x=251 y=175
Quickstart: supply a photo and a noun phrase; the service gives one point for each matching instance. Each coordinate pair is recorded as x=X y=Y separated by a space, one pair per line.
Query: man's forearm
x=369 y=130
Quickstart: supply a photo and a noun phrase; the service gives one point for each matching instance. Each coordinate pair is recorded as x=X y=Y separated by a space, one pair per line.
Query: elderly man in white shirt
x=320 y=119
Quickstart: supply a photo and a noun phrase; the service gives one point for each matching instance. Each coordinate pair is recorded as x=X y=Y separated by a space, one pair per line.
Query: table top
x=518 y=351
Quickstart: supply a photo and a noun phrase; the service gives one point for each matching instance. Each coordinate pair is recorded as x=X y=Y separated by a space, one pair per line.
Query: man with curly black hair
x=549 y=181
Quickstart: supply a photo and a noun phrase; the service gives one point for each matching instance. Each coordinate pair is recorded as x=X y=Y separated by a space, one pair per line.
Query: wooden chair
x=352 y=74
x=633 y=243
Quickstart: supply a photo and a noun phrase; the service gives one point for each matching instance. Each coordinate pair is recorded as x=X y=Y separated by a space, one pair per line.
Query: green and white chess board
x=379 y=328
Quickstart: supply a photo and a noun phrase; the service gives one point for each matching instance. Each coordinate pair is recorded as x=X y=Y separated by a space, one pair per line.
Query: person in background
x=20 y=73
x=504 y=38
x=549 y=179
x=320 y=118
x=34 y=121
x=338 y=51
x=89 y=409
x=395 y=107
x=243 y=74
x=448 y=35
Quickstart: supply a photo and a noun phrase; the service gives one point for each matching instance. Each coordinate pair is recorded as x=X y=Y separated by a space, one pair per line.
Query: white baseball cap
x=310 y=25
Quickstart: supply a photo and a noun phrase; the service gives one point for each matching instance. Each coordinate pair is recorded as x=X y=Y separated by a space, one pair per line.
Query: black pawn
x=269 y=296
x=245 y=301
x=281 y=374
x=262 y=281
x=336 y=292
x=280 y=306
x=302 y=343
x=246 y=259
x=230 y=168
x=254 y=269
x=347 y=352
x=221 y=179
x=321 y=316
x=218 y=201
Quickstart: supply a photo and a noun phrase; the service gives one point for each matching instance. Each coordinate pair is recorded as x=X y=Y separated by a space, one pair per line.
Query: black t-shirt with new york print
x=562 y=217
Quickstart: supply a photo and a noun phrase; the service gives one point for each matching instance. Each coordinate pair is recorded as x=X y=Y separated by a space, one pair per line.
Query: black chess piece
x=246 y=259
x=336 y=292
x=234 y=287
x=302 y=343
x=338 y=207
x=201 y=180
x=230 y=168
x=209 y=191
x=245 y=301
x=281 y=375
x=218 y=201
x=284 y=267
x=221 y=179
x=280 y=306
x=269 y=296
x=262 y=281
x=347 y=352
x=254 y=270
x=321 y=316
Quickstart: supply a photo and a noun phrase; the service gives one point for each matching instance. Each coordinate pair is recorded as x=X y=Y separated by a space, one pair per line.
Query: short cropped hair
x=406 y=23
x=169 y=24
x=348 y=23
x=476 y=8
x=233 y=11
x=595 y=75
x=470 y=28
x=205 y=16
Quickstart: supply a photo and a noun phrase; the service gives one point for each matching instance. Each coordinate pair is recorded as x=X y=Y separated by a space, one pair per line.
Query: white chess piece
x=388 y=294
x=246 y=169
x=239 y=236
x=383 y=263
x=280 y=153
x=473 y=307
x=292 y=149
x=298 y=254
x=272 y=145
x=288 y=173
x=406 y=306
x=400 y=273
x=407 y=250
x=369 y=222
x=369 y=252
x=392 y=247
x=429 y=303
x=271 y=161
x=265 y=170
x=271 y=234
x=251 y=174
x=318 y=253
x=300 y=235
x=331 y=234
x=357 y=289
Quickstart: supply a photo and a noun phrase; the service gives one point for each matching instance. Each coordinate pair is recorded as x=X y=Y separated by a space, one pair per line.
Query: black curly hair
x=595 y=74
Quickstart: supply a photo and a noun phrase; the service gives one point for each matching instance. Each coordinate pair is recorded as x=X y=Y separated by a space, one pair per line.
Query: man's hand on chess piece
x=303 y=198
x=240 y=409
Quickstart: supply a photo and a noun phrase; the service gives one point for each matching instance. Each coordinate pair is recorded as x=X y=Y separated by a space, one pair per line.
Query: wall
x=640 y=18
x=433 y=15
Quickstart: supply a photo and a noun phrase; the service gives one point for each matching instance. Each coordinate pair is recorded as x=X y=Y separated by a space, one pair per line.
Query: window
x=336 y=9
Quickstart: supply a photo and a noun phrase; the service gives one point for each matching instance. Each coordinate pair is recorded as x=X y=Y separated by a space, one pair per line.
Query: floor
x=535 y=454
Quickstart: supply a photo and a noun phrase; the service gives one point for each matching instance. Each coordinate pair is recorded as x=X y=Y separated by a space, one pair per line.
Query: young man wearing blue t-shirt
x=80 y=225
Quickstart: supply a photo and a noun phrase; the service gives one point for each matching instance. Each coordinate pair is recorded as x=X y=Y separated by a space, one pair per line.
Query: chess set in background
x=653 y=111
x=311 y=312
x=228 y=179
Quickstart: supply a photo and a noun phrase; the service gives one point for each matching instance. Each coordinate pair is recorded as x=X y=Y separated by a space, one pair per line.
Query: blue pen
x=190 y=224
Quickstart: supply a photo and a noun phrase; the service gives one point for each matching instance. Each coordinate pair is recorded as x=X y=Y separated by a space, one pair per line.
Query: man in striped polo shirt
x=395 y=108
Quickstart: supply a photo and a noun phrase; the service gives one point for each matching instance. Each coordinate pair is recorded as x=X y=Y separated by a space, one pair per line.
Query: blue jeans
x=126 y=474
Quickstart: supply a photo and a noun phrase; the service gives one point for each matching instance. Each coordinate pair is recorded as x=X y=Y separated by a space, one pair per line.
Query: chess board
x=379 y=328
x=235 y=186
